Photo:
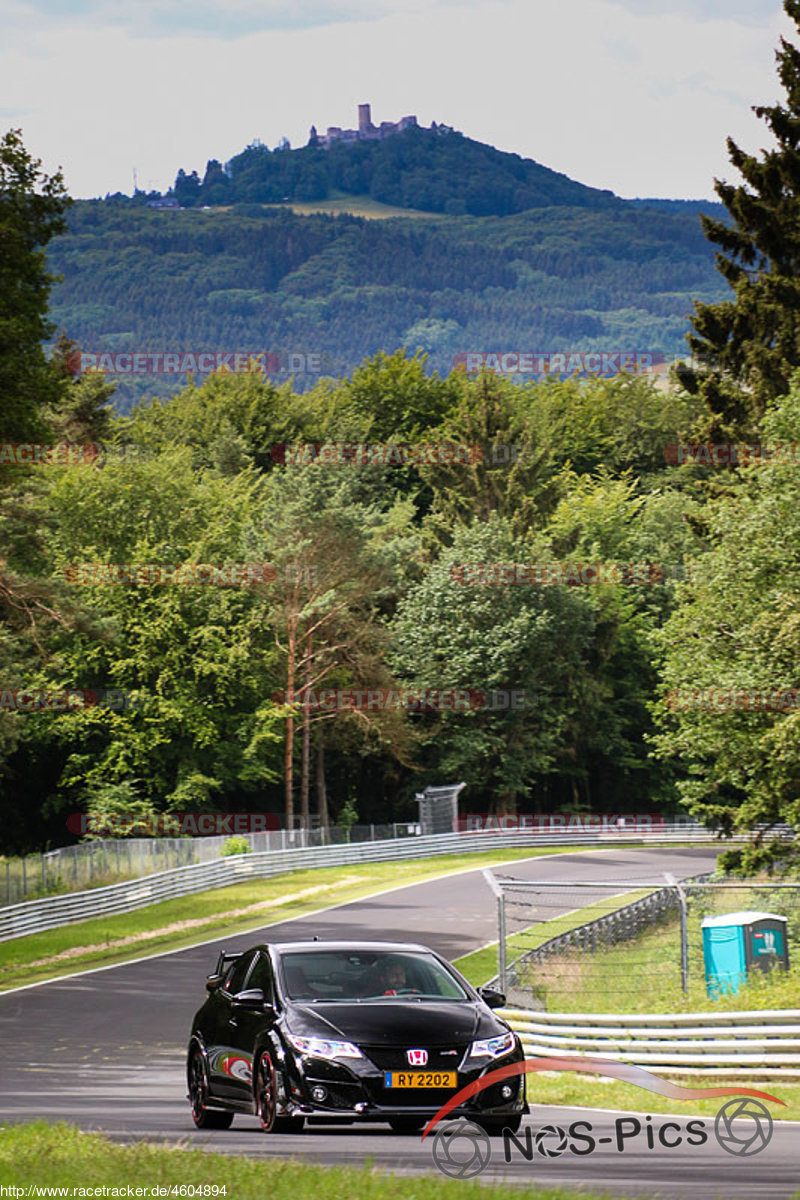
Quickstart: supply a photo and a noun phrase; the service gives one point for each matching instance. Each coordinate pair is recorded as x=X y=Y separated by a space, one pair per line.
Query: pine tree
x=32 y=207
x=746 y=348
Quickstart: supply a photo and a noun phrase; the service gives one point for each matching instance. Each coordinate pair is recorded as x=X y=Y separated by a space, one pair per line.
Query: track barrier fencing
x=757 y=1044
x=292 y=851
x=626 y=946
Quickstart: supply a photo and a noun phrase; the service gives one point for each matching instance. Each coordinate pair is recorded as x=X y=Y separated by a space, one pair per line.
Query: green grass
x=160 y=927
x=591 y=1091
x=643 y=976
x=357 y=206
x=646 y=975
x=62 y=1156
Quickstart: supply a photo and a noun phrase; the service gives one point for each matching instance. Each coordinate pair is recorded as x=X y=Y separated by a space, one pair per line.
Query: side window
x=261 y=977
x=237 y=975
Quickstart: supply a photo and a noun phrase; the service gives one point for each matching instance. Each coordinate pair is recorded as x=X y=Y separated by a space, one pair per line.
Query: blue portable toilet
x=737 y=944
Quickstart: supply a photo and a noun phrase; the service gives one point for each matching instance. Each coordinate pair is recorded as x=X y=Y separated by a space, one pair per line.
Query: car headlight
x=493 y=1047
x=317 y=1047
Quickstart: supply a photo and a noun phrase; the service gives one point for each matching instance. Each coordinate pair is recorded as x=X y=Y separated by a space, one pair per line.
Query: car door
x=228 y=1074
x=247 y=1024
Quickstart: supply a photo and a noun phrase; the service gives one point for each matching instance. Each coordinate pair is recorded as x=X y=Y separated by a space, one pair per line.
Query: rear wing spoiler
x=226 y=957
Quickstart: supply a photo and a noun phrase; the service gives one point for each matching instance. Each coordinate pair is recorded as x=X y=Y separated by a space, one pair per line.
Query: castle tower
x=364 y=119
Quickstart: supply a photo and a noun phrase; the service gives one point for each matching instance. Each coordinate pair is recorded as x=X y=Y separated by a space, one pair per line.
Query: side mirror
x=491 y=997
x=213 y=982
x=252 y=998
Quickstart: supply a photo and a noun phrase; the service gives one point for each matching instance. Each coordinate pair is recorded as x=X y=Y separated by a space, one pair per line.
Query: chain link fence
x=103 y=861
x=629 y=947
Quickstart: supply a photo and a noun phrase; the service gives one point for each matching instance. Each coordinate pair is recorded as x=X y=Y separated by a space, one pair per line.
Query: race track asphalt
x=105 y=1049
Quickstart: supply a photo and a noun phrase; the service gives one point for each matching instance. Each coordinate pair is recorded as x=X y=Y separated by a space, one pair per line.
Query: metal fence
x=745 y=1045
x=34 y=916
x=607 y=947
x=110 y=860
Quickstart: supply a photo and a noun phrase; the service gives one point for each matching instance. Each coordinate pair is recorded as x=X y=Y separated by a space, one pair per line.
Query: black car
x=344 y=1032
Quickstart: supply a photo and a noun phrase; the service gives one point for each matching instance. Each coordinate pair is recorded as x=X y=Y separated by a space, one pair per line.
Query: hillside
x=343 y=287
x=240 y=267
x=442 y=172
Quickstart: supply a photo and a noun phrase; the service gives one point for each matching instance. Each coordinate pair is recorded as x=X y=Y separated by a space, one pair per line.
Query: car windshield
x=355 y=975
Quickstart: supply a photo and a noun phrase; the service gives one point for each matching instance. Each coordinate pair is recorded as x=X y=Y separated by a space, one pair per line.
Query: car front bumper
x=359 y=1093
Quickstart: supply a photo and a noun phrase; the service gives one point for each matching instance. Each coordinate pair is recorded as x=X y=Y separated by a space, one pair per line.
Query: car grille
x=390 y=1058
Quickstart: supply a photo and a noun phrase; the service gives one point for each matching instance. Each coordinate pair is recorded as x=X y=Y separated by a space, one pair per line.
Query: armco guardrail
x=35 y=916
x=741 y=1044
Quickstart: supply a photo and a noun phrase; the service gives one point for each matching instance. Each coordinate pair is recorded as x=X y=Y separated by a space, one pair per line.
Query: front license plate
x=419 y=1079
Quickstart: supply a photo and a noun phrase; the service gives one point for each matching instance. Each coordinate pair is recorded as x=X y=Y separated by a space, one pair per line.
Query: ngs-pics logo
x=462 y=1150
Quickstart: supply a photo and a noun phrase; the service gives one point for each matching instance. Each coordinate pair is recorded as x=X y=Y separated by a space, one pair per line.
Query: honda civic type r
x=345 y=1032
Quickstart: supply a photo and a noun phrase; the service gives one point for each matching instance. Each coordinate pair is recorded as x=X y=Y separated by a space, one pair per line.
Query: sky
x=638 y=96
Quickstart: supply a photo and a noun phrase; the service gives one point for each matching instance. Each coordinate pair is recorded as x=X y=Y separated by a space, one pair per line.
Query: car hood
x=389 y=1023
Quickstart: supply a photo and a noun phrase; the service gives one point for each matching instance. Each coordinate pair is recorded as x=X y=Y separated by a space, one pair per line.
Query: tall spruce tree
x=746 y=348
x=32 y=207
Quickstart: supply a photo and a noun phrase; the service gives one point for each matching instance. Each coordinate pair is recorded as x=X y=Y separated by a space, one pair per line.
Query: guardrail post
x=501 y=944
x=673 y=882
x=501 y=927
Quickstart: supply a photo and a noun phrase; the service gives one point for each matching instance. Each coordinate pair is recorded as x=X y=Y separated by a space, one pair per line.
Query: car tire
x=203 y=1116
x=406 y=1125
x=266 y=1099
x=266 y=1093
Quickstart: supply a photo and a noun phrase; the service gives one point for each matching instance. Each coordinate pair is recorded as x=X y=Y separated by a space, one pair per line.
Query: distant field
x=356 y=206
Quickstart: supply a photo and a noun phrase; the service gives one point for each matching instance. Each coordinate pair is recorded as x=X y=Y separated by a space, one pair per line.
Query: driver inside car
x=394 y=978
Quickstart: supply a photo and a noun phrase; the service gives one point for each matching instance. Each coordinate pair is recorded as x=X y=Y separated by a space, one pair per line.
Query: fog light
x=319 y=1094
x=506 y=1091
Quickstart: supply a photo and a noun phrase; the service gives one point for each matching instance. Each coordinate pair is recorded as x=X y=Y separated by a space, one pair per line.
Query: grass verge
x=646 y=975
x=643 y=976
x=235 y=910
x=41 y=1155
x=593 y=1091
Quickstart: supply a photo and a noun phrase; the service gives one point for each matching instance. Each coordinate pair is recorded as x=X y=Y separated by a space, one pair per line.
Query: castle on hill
x=367 y=132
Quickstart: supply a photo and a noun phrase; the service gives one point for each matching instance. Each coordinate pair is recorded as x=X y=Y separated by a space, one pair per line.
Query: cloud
x=744 y=12
x=637 y=102
x=228 y=20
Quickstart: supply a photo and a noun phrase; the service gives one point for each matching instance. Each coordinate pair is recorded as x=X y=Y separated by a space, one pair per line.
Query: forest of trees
x=344 y=287
x=432 y=171
x=367 y=583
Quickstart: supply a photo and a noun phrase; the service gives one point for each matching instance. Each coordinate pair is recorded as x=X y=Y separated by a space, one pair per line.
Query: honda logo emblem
x=417 y=1058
